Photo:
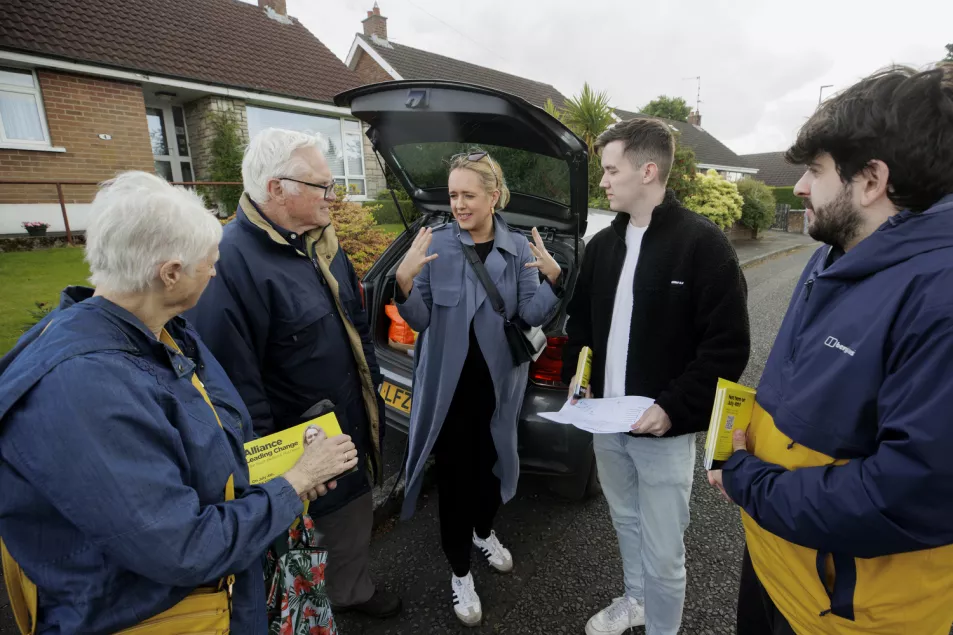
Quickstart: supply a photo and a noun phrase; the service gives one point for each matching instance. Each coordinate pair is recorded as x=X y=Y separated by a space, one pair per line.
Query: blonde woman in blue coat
x=467 y=389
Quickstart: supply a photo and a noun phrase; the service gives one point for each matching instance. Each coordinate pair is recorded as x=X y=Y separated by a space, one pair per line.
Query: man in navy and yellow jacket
x=845 y=478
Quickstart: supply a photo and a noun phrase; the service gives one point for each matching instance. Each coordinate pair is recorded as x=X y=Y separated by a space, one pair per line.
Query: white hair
x=138 y=223
x=273 y=153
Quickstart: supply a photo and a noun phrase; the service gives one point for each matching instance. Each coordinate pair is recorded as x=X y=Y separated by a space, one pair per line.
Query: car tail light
x=547 y=370
x=360 y=287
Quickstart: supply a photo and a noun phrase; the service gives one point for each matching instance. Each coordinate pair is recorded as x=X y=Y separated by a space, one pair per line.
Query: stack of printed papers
x=602 y=416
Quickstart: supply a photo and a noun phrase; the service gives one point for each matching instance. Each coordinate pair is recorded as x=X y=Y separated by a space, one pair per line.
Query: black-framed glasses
x=328 y=189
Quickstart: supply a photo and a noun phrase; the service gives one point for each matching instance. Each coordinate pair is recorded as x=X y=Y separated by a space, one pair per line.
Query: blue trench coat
x=446 y=296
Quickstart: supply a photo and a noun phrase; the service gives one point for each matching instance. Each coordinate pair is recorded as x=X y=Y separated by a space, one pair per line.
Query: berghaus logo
x=833 y=342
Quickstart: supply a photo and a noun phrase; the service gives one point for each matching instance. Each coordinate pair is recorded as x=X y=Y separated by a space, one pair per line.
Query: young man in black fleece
x=661 y=301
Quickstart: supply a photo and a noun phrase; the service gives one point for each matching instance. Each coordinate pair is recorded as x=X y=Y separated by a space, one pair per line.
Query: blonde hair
x=489 y=171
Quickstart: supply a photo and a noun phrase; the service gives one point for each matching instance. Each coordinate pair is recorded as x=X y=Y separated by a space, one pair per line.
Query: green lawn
x=393 y=228
x=27 y=277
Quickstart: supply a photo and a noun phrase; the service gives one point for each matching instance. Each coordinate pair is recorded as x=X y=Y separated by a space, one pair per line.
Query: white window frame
x=37 y=92
x=171 y=142
x=347 y=176
x=347 y=170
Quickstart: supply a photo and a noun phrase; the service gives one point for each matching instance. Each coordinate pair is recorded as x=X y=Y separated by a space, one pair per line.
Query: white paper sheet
x=601 y=416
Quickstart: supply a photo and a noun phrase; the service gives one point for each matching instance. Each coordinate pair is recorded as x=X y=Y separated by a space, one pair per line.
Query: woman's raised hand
x=544 y=260
x=414 y=260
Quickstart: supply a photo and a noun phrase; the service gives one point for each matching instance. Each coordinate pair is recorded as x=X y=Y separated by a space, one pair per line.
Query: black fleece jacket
x=689 y=315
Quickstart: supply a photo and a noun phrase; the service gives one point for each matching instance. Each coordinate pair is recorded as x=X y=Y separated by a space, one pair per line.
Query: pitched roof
x=773 y=169
x=414 y=63
x=222 y=42
x=707 y=148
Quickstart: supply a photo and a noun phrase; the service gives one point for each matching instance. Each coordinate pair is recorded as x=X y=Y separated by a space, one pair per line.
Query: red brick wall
x=370 y=71
x=78 y=109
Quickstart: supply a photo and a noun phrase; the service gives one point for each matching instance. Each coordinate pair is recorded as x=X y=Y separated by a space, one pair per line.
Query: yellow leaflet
x=732 y=410
x=272 y=456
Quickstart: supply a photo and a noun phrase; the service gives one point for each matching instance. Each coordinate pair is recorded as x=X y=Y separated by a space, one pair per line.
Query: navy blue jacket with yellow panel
x=847 y=490
x=284 y=316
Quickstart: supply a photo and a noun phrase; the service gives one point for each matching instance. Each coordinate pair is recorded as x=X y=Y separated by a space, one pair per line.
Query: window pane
x=352 y=126
x=355 y=187
x=181 y=141
x=187 y=171
x=427 y=165
x=328 y=127
x=20 y=117
x=157 y=132
x=164 y=169
x=354 y=151
x=16 y=78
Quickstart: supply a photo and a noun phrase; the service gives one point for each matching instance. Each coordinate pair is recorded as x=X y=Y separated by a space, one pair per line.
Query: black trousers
x=468 y=491
x=757 y=614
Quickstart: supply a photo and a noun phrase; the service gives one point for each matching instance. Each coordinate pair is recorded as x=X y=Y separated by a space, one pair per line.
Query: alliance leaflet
x=734 y=404
x=272 y=456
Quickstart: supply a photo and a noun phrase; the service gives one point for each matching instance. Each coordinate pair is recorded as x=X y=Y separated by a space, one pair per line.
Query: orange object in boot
x=399 y=331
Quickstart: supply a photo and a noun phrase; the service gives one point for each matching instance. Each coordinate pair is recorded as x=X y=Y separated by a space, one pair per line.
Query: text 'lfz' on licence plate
x=398 y=398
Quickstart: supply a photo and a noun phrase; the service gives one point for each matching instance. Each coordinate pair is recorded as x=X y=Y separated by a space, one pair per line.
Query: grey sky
x=761 y=63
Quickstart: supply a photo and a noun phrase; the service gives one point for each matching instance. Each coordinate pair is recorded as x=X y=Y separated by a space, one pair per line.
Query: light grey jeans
x=647 y=483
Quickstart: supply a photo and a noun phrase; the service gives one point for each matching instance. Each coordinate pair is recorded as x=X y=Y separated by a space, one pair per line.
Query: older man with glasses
x=285 y=318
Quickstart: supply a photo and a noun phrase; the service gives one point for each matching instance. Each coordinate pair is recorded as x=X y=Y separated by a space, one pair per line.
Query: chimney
x=278 y=6
x=374 y=23
x=695 y=118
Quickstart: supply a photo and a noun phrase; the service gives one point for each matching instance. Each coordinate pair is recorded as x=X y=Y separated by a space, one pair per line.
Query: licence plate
x=395 y=397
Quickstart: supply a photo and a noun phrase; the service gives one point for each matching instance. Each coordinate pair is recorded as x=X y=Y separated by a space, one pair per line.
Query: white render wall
x=13 y=214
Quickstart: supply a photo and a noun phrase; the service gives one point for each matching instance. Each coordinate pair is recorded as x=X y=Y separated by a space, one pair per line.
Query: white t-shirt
x=617 y=350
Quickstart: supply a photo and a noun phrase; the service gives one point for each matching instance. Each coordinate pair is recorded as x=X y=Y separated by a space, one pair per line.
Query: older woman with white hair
x=126 y=499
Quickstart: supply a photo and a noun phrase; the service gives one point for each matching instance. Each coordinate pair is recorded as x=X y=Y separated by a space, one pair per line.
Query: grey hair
x=273 y=153
x=138 y=223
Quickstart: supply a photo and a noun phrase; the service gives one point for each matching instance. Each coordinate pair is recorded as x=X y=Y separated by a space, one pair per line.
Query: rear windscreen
x=427 y=165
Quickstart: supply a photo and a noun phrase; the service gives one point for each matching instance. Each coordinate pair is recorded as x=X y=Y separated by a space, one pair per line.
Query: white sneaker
x=617 y=618
x=496 y=554
x=466 y=602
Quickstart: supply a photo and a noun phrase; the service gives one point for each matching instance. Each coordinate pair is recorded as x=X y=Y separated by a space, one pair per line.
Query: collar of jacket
x=324 y=239
x=145 y=340
x=659 y=217
x=502 y=237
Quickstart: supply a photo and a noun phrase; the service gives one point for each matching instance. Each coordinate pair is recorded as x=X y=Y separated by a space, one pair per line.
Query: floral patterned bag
x=297 y=601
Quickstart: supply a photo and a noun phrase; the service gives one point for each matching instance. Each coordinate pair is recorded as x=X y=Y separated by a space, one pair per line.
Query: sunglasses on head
x=473 y=157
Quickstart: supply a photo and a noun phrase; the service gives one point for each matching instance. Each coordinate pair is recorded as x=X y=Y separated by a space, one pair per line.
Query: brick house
x=375 y=59
x=89 y=88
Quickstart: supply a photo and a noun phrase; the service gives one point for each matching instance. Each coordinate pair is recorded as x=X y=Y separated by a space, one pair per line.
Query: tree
x=716 y=199
x=949 y=53
x=757 y=212
x=552 y=109
x=226 y=162
x=683 y=179
x=358 y=234
x=589 y=115
x=668 y=108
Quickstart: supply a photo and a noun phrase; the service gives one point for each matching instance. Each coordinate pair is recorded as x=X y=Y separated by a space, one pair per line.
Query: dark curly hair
x=900 y=116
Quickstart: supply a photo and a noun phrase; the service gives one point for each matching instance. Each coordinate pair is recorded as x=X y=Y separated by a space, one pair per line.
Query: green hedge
x=785 y=196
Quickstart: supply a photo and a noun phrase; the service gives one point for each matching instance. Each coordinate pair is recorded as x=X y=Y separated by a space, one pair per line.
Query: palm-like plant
x=588 y=114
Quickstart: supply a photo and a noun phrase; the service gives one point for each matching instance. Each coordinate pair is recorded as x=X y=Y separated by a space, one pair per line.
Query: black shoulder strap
x=492 y=293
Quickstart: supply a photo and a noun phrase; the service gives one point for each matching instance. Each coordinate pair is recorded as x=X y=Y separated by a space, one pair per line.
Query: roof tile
x=222 y=42
x=774 y=169
x=414 y=63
